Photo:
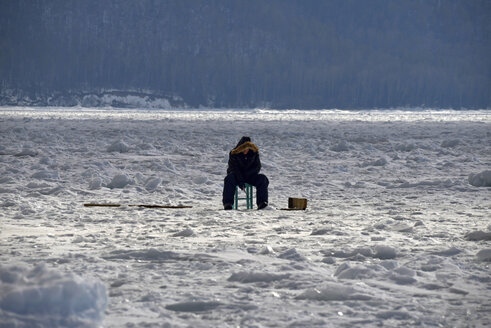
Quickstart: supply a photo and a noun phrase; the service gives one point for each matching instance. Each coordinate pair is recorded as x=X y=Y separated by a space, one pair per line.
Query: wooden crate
x=297 y=203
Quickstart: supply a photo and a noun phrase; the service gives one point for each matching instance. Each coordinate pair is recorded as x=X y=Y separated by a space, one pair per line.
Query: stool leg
x=249 y=191
x=249 y=197
x=252 y=197
x=236 y=198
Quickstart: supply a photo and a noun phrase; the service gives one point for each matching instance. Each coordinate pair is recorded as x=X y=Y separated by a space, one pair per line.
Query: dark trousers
x=260 y=181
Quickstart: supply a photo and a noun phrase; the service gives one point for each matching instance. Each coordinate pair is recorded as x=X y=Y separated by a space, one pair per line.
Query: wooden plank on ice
x=136 y=205
x=161 y=206
x=101 y=205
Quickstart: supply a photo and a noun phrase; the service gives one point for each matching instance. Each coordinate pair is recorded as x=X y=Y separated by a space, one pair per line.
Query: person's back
x=243 y=167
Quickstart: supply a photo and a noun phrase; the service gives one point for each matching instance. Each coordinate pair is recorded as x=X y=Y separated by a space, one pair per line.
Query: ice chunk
x=448 y=252
x=27 y=151
x=333 y=292
x=389 y=264
x=345 y=271
x=478 y=235
x=3 y=150
x=6 y=180
x=458 y=291
x=248 y=277
x=168 y=164
x=139 y=178
x=329 y=260
x=151 y=254
x=343 y=254
x=402 y=277
x=364 y=251
x=484 y=255
x=184 y=233
x=46 y=175
x=120 y=181
x=402 y=227
x=379 y=162
x=267 y=250
x=482 y=179
x=193 y=306
x=292 y=255
x=405 y=147
x=55 y=299
x=450 y=143
x=152 y=184
x=397 y=315
x=95 y=183
x=341 y=146
x=320 y=231
x=200 y=179
x=146 y=146
x=8 y=203
x=51 y=191
x=385 y=252
x=118 y=146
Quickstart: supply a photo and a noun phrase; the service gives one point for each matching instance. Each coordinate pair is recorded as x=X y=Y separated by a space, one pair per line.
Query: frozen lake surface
x=397 y=232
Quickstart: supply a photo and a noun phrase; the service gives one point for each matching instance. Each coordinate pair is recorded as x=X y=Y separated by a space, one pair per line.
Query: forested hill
x=238 y=53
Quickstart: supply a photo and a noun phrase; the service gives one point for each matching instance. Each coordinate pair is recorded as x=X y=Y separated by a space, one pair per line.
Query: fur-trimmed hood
x=244 y=166
x=246 y=145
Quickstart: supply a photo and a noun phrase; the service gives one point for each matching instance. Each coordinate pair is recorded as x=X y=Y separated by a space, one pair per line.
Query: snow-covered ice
x=396 y=233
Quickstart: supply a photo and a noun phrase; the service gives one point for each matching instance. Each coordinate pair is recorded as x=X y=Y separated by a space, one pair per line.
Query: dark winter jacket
x=244 y=166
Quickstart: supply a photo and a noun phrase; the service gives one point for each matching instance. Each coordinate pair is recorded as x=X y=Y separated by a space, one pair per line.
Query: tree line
x=275 y=53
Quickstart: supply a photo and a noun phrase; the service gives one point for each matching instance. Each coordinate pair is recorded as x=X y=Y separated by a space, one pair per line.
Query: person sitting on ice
x=243 y=167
